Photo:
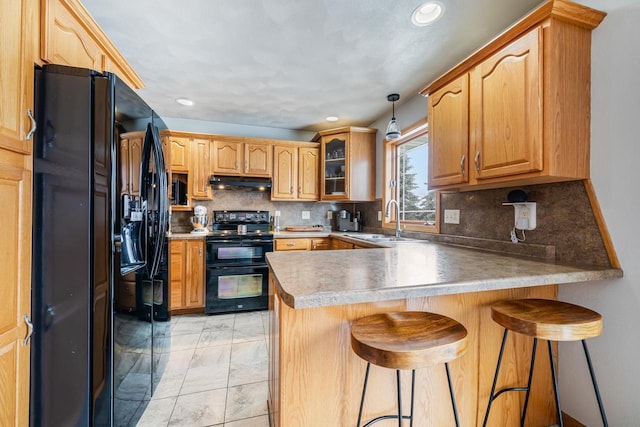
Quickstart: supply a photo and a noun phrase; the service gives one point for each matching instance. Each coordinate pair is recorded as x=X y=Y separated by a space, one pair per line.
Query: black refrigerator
x=77 y=222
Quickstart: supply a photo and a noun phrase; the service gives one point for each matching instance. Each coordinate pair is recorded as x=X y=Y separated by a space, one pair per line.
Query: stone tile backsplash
x=566 y=228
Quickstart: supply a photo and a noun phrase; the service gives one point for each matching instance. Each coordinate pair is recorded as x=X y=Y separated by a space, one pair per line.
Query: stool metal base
x=401 y=417
x=494 y=395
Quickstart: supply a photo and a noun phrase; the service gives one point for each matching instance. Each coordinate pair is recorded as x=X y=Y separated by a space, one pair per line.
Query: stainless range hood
x=247 y=183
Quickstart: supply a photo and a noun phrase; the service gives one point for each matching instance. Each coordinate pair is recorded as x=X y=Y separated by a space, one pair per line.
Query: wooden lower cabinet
x=292 y=244
x=340 y=244
x=315 y=379
x=186 y=274
x=15 y=286
x=303 y=244
x=320 y=244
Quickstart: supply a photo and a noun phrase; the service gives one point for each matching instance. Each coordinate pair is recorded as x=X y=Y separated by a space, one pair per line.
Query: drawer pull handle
x=30 y=332
x=462 y=164
x=477 y=160
x=291 y=244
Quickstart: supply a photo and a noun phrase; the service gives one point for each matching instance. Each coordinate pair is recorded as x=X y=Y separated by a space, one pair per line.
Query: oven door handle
x=258 y=240
x=236 y=267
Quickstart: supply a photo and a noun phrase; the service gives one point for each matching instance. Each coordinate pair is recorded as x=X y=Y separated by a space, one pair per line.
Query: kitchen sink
x=379 y=238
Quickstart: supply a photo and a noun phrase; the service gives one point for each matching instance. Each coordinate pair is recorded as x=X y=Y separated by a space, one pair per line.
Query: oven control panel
x=241 y=217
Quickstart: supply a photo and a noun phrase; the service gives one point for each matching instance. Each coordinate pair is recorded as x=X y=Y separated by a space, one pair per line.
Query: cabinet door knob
x=300 y=189
x=33 y=123
x=291 y=190
x=462 y=164
x=476 y=160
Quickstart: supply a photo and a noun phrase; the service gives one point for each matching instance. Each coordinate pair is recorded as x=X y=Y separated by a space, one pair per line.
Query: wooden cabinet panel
x=295 y=173
x=177 y=272
x=320 y=244
x=257 y=159
x=529 y=104
x=227 y=157
x=348 y=157
x=67 y=41
x=135 y=158
x=200 y=169
x=506 y=92
x=292 y=244
x=130 y=158
x=70 y=36
x=449 y=133
x=15 y=286
x=285 y=173
x=194 y=285
x=340 y=244
x=308 y=173
x=16 y=69
x=186 y=273
x=180 y=149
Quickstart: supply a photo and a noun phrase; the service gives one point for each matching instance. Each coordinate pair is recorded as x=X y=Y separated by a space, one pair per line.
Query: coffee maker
x=346 y=221
x=199 y=220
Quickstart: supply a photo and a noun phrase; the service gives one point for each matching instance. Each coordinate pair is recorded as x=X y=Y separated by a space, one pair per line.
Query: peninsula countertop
x=309 y=279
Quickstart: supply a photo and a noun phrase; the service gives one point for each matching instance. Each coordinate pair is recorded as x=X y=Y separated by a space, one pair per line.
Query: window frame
x=418 y=129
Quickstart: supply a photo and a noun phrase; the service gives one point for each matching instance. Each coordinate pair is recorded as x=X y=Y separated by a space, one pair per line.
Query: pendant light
x=393 y=131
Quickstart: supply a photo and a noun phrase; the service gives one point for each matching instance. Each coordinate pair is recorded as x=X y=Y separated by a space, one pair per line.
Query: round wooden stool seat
x=408 y=339
x=547 y=319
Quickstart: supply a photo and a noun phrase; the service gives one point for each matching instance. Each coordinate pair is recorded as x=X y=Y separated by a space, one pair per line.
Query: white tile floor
x=213 y=372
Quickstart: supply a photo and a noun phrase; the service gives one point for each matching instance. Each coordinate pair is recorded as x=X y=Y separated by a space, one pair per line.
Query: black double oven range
x=237 y=277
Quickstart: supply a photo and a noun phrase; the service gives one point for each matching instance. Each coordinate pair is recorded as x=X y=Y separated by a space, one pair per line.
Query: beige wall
x=615 y=150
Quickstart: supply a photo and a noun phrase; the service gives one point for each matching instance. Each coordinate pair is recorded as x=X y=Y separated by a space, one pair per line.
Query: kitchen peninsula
x=314 y=377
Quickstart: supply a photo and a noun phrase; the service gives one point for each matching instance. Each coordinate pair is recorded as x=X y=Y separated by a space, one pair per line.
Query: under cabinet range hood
x=247 y=183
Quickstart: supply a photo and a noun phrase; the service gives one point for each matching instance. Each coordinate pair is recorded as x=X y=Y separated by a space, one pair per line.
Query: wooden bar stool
x=407 y=340
x=552 y=321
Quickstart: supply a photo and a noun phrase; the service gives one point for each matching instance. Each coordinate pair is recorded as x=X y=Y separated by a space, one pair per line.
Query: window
x=406 y=176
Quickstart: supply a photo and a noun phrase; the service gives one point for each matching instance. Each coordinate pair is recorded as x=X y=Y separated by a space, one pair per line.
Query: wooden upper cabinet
x=506 y=110
x=16 y=69
x=201 y=169
x=308 y=173
x=296 y=172
x=70 y=36
x=285 y=173
x=449 y=133
x=180 y=149
x=528 y=104
x=348 y=157
x=257 y=159
x=227 y=157
x=242 y=158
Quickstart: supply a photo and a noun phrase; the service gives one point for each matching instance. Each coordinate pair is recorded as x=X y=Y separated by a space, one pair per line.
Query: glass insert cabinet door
x=335 y=165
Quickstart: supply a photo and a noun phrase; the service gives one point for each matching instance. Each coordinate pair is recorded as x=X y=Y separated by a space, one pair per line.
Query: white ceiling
x=287 y=63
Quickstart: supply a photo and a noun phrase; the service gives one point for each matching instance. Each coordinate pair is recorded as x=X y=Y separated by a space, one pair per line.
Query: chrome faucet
x=387 y=211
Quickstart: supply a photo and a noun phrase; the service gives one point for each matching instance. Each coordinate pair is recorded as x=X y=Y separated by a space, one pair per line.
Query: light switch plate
x=379 y=215
x=452 y=216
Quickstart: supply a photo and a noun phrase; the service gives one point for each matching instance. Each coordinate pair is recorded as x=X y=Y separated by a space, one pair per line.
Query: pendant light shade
x=393 y=131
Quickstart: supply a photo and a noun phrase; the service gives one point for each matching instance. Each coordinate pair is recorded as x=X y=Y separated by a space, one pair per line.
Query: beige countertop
x=408 y=270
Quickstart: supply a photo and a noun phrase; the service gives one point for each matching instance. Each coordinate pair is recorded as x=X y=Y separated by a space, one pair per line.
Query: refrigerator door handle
x=29 y=324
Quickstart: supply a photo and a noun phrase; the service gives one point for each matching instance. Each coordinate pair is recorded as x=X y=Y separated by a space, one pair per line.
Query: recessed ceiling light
x=184 y=101
x=427 y=13
x=332 y=119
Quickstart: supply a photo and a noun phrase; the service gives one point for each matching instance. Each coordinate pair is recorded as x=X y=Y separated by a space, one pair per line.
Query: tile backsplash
x=566 y=229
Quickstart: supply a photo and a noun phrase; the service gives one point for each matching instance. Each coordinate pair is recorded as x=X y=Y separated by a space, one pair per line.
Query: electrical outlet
x=306 y=215
x=452 y=216
x=329 y=214
x=379 y=215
